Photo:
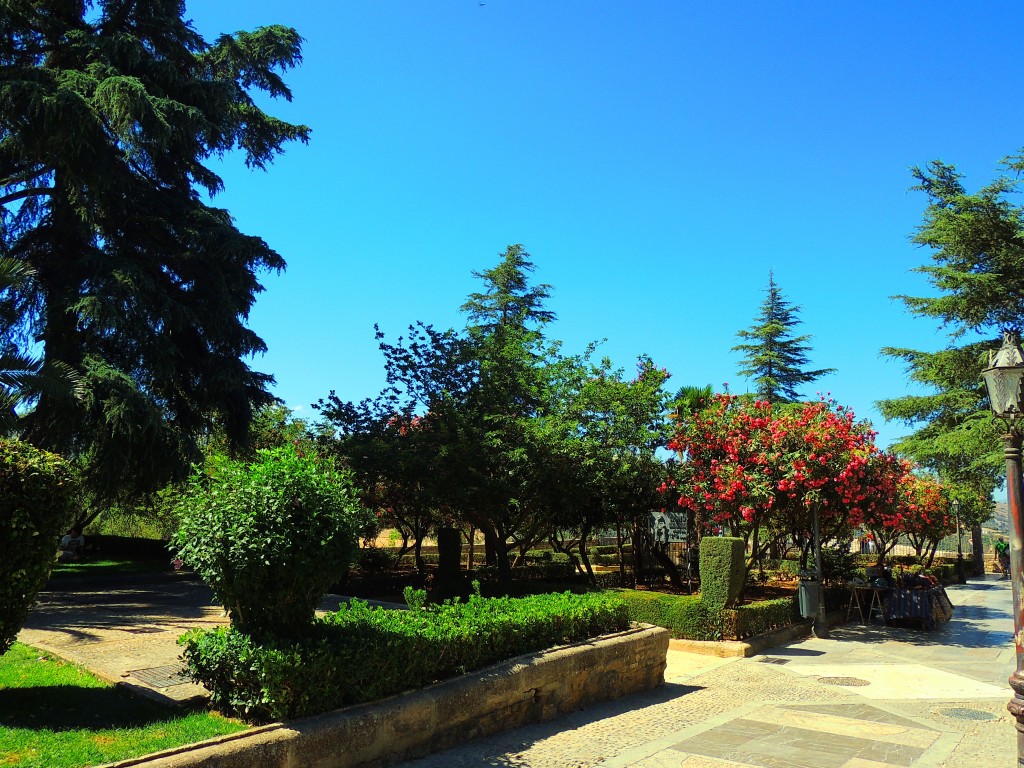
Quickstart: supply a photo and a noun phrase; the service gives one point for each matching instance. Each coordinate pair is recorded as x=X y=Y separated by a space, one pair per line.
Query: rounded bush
x=37 y=492
x=270 y=536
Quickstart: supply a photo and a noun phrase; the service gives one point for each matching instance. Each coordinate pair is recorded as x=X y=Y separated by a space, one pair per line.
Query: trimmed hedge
x=688 y=617
x=758 y=618
x=685 y=616
x=721 y=570
x=363 y=654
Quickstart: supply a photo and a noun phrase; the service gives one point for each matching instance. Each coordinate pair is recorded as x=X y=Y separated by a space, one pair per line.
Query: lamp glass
x=1004 y=389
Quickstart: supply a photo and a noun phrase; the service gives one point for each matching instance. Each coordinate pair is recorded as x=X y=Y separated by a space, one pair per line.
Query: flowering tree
x=883 y=506
x=761 y=471
x=926 y=515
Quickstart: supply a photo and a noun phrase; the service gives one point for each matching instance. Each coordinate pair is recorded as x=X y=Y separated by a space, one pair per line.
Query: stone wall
x=528 y=689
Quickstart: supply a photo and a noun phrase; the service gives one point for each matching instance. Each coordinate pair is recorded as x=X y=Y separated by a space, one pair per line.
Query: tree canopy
x=110 y=113
x=772 y=355
x=977 y=268
x=493 y=428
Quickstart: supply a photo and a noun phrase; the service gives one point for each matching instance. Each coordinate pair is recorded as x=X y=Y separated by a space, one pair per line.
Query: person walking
x=1003 y=556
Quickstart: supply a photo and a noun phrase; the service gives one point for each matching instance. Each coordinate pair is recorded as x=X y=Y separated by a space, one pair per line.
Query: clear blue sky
x=655 y=158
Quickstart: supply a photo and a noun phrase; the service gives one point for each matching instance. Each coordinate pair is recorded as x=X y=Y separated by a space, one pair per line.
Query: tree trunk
x=618 y=546
x=978 y=547
x=584 y=533
x=470 y=546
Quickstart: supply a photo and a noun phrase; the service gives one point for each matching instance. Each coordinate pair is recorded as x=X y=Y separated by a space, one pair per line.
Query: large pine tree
x=110 y=112
x=772 y=356
x=978 y=269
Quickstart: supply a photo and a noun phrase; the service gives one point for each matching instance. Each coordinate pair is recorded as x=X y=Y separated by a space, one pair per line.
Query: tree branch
x=30 y=192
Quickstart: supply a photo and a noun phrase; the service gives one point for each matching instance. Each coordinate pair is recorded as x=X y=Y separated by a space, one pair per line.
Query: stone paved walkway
x=868 y=697
x=904 y=698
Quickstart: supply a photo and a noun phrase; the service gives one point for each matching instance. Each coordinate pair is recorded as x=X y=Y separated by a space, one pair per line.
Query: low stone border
x=756 y=644
x=527 y=689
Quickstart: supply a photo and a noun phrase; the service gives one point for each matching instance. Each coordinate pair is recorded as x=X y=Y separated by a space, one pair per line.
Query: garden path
x=870 y=696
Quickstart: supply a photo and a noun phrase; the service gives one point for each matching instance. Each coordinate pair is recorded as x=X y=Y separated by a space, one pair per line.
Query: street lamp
x=1003 y=379
x=961 y=577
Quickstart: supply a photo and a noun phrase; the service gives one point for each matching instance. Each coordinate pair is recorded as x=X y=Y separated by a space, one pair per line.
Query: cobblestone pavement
x=868 y=697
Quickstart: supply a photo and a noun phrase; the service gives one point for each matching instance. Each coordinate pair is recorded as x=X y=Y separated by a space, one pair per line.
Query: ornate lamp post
x=1003 y=378
x=961 y=576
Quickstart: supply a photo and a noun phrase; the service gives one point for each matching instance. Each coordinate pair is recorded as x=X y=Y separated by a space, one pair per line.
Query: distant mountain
x=1000 y=520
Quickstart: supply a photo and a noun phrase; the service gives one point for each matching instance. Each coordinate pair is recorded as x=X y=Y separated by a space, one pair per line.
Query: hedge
x=363 y=654
x=758 y=618
x=688 y=617
x=721 y=570
x=685 y=616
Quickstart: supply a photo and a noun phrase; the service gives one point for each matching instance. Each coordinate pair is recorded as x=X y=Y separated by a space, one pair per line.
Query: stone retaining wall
x=527 y=689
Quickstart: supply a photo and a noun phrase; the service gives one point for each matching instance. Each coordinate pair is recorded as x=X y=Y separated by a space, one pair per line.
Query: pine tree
x=978 y=268
x=109 y=113
x=773 y=357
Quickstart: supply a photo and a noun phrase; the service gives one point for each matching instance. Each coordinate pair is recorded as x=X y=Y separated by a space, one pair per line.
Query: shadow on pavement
x=122 y=605
x=514 y=742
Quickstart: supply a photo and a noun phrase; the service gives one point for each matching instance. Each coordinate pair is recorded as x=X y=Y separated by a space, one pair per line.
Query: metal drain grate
x=773 y=660
x=963 y=713
x=161 y=677
x=850 y=682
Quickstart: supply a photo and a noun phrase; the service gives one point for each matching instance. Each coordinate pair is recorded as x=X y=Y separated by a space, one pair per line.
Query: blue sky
x=655 y=158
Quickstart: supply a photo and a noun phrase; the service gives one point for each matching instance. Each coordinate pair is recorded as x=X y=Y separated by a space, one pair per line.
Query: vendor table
x=866 y=597
x=930 y=606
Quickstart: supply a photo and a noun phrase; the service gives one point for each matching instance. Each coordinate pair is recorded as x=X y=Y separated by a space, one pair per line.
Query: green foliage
x=837 y=565
x=112 y=117
x=24 y=377
x=66 y=718
x=760 y=617
x=363 y=654
x=685 y=616
x=500 y=431
x=773 y=356
x=722 y=569
x=37 y=493
x=688 y=617
x=270 y=536
x=977 y=271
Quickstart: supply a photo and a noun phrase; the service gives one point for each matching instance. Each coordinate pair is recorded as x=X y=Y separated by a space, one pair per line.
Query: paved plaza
x=870 y=696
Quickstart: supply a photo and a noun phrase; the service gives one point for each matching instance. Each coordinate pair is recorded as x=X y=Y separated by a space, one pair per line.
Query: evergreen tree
x=109 y=113
x=772 y=356
x=23 y=377
x=978 y=268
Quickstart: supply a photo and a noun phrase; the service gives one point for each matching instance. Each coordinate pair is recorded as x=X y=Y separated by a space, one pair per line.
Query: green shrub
x=362 y=654
x=721 y=570
x=685 y=616
x=838 y=566
x=376 y=559
x=37 y=492
x=269 y=537
x=757 y=618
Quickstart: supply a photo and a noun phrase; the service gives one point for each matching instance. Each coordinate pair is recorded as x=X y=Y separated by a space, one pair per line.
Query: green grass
x=90 y=568
x=56 y=715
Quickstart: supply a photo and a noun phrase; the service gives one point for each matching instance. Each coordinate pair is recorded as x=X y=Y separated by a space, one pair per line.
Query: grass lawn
x=56 y=715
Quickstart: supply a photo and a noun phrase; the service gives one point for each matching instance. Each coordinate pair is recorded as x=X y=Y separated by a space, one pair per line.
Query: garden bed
x=527 y=689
